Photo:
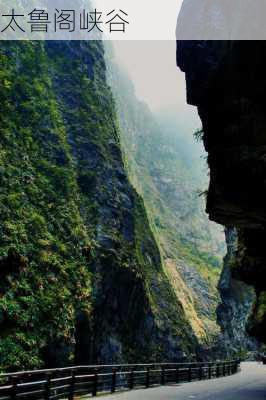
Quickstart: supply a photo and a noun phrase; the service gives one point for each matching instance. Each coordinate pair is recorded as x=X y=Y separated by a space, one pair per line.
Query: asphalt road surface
x=248 y=384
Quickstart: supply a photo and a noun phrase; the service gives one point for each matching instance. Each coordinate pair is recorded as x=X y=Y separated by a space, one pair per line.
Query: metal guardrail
x=66 y=383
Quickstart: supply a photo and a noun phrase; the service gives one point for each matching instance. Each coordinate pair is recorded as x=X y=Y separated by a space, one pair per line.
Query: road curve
x=248 y=384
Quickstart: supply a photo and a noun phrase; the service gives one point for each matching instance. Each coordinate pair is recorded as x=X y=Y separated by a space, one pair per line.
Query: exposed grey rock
x=238 y=300
x=221 y=20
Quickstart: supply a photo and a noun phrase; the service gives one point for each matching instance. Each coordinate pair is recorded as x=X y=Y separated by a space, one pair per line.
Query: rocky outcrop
x=238 y=300
x=226 y=81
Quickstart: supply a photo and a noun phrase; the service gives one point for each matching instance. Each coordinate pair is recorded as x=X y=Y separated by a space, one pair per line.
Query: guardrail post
x=189 y=374
x=131 y=379
x=163 y=375
x=95 y=383
x=217 y=370
x=71 y=387
x=13 y=388
x=148 y=377
x=47 y=387
x=224 y=369
x=210 y=371
x=113 y=387
x=200 y=373
x=177 y=375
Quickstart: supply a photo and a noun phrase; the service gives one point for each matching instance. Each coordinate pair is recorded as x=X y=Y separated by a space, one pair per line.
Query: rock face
x=236 y=307
x=226 y=81
x=81 y=274
x=226 y=20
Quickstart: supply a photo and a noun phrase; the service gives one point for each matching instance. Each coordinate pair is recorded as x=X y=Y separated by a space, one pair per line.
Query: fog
x=151 y=66
x=157 y=80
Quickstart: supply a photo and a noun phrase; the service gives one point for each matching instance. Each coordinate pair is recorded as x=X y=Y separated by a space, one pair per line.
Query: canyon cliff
x=167 y=170
x=226 y=81
x=105 y=257
x=81 y=274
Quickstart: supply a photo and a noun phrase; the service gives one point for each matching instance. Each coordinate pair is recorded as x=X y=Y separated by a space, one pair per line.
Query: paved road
x=249 y=384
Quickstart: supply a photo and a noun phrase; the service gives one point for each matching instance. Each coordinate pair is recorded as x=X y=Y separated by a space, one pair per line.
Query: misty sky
x=152 y=68
x=158 y=81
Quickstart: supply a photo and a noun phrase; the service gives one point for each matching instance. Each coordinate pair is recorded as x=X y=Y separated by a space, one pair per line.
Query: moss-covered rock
x=81 y=275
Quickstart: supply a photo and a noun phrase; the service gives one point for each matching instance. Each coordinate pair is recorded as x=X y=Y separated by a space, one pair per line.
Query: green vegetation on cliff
x=163 y=168
x=42 y=232
x=81 y=274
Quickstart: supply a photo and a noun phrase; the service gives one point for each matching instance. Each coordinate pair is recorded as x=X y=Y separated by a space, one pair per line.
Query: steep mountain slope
x=164 y=172
x=81 y=274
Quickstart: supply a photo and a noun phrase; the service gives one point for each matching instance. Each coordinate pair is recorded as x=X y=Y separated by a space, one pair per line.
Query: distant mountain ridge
x=163 y=167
